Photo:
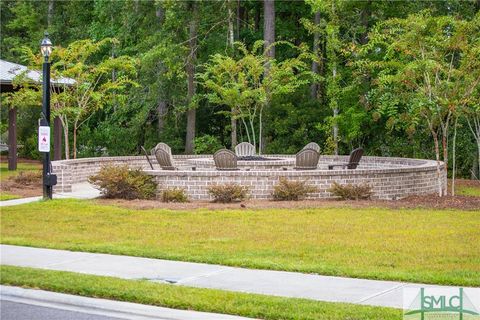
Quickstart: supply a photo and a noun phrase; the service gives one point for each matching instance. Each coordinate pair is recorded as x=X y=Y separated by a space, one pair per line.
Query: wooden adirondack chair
x=163 y=146
x=307 y=159
x=148 y=159
x=312 y=145
x=225 y=160
x=164 y=159
x=353 y=161
x=244 y=149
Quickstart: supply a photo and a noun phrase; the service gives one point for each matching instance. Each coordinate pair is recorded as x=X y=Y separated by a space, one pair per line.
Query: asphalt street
x=21 y=311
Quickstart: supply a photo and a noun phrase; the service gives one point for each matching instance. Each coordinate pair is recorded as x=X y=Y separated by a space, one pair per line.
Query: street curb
x=103 y=307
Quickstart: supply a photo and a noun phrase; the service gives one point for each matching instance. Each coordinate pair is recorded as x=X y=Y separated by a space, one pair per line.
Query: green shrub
x=174 y=195
x=207 y=144
x=351 y=191
x=30 y=148
x=27 y=178
x=121 y=182
x=229 y=192
x=291 y=190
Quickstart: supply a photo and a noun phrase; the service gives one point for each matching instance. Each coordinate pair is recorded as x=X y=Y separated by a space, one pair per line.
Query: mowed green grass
x=5 y=196
x=243 y=304
x=431 y=246
x=21 y=166
x=468 y=191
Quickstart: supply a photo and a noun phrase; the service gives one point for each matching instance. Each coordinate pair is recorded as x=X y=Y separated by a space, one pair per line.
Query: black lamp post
x=49 y=180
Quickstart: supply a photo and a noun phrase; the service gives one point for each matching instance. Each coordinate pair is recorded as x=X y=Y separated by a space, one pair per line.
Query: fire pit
x=256 y=158
x=390 y=178
x=246 y=162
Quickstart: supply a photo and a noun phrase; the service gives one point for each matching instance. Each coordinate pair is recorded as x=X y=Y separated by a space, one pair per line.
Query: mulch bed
x=427 y=202
x=23 y=191
x=432 y=201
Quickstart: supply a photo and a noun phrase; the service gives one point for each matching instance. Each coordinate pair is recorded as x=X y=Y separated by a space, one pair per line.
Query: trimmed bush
x=351 y=191
x=121 y=182
x=291 y=190
x=229 y=192
x=174 y=195
x=27 y=178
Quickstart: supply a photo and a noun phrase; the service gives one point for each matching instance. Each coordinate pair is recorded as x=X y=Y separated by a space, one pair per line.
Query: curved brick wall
x=390 y=178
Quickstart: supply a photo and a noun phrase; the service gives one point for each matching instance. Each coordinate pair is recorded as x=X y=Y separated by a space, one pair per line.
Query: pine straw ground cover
x=11 y=189
x=419 y=245
x=467 y=198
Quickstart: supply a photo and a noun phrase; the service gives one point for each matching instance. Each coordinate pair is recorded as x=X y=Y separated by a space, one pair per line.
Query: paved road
x=28 y=304
x=22 y=311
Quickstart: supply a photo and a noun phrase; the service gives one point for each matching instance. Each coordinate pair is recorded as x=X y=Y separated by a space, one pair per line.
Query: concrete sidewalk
x=73 y=305
x=277 y=283
x=79 y=191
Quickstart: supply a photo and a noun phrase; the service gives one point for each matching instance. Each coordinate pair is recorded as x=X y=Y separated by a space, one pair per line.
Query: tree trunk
x=364 y=17
x=51 y=4
x=269 y=26
x=240 y=18
x=74 y=146
x=233 y=123
x=191 y=87
x=12 y=138
x=57 y=138
x=230 y=41
x=269 y=38
x=316 y=46
x=161 y=112
x=231 y=36
x=335 y=130
x=335 y=115
x=256 y=18
x=437 y=157
x=454 y=155
x=65 y=136
x=160 y=14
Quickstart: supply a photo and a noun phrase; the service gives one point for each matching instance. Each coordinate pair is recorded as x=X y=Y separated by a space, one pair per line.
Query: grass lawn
x=5 y=196
x=249 y=305
x=431 y=246
x=21 y=166
x=470 y=191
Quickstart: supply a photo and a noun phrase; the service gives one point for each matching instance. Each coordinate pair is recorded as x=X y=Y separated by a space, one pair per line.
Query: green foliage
x=351 y=191
x=229 y=192
x=124 y=183
x=207 y=144
x=427 y=69
x=243 y=85
x=174 y=195
x=292 y=190
x=368 y=57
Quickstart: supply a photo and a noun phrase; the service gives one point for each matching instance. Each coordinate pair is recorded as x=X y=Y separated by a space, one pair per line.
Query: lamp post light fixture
x=49 y=180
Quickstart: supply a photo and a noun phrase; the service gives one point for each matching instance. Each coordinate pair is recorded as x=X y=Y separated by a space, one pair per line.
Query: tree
x=427 y=70
x=92 y=87
x=191 y=86
x=331 y=56
x=242 y=85
x=269 y=45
